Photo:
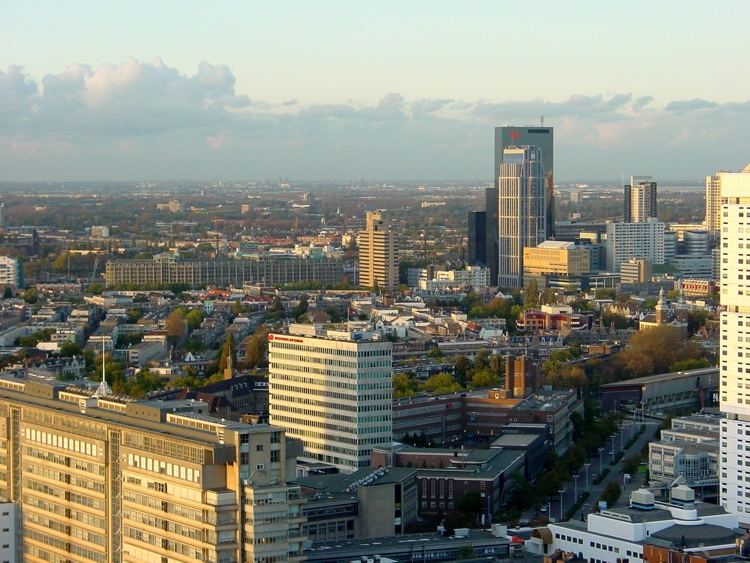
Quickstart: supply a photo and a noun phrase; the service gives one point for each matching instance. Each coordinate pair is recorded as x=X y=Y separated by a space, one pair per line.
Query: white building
x=474 y=277
x=10 y=271
x=333 y=390
x=99 y=231
x=734 y=362
x=620 y=534
x=627 y=241
x=640 y=199
x=695 y=267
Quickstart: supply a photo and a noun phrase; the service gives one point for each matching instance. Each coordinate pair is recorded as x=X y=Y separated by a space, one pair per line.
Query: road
x=611 y=448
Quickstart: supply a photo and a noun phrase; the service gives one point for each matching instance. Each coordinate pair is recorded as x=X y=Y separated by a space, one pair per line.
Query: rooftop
x=658 y=378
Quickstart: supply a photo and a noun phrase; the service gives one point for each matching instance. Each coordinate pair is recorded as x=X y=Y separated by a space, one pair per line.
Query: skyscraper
x=477 y=253
x=333 y=390
x=640 y=200
x=734 y=360
x=378 y=254
x=521 y=205
x=543 y=138
x=713 y=202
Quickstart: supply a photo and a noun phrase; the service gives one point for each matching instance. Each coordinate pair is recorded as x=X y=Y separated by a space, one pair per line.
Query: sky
x=390 y=90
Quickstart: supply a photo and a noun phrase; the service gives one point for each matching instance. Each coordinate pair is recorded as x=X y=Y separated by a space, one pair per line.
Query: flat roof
x=658 y=378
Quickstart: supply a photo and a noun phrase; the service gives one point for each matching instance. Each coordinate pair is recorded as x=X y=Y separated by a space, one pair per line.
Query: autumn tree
x=654 y=350
x=175 y=325
x=255 y=347
x=404 y=385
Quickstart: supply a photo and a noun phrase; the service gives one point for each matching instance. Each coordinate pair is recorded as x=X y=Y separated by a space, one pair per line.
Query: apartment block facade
x=734 y=360
x=333 y=391
x=262 y=269
x=116 y=480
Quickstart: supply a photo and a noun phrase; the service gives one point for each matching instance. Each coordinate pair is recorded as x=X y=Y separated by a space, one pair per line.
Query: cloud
x=82 y=122
x=690 y=105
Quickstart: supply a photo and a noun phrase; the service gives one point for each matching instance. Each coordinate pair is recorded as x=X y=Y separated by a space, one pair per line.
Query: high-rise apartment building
x=713 y=202
x=543 y=138
x=110 y=480
x=734 y=360
x=378 y=253
x=11 y=272
x=333 y=390
x=521 y=205
x=643 y=241
x=640 y=199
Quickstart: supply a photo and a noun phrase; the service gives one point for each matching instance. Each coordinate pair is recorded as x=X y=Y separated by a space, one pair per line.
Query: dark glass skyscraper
x=477 y=254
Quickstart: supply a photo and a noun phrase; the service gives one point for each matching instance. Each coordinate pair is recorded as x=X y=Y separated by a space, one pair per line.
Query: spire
x=661 y=308
x=103 y=390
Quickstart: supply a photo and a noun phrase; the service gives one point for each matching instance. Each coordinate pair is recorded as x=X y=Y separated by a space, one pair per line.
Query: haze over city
x=387 y=90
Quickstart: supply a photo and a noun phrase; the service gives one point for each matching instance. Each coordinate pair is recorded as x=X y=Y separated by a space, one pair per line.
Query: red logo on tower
x=514 y=135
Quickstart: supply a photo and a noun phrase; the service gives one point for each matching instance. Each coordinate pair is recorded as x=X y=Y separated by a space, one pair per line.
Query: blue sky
x=392 y=90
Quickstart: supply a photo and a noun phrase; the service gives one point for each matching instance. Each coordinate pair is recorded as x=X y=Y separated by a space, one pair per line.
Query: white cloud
x=81 y=122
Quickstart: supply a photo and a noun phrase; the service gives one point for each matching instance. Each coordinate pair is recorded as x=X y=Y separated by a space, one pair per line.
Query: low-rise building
x=632 y=532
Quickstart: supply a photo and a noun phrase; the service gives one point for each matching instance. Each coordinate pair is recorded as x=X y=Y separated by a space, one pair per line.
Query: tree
x=531 y=295
x=176 y=325
x=462 y=365
x=466 y=552
x=470 y=503
x=611 y=493
x=134 y=314
x=654 y=350
x=30 y=295
x=441 y=383
x=404 y=385
x=7 y=292
x=484 y=378
x=194 y=319
x=68 y=349
x=225 y=354
x=255 y=347
x=301 y=308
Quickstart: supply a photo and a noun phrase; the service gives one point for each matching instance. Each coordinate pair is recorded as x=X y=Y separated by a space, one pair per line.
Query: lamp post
x=622 y=433
x=587 y=465
x=561 y=491
x=601 y=451
x=575 y=487
x=613 y=436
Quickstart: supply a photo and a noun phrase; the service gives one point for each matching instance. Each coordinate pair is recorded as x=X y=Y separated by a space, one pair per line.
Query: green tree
x=7 y=292
x=404 y=385
x=134 y=314
x=31 y=295
x=531 y=295
x=68 y=349
x=194 y=319
x=225 y=354
x=484 y=378
x=441 y=383
x=301 y=308
x=175 y=325
x=611 y=493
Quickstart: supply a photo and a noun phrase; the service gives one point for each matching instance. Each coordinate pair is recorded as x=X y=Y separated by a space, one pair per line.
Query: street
x=591 y=469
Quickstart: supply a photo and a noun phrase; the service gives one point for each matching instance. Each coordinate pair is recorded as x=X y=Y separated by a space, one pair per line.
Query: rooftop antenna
x=541 y=120
x=103 y=390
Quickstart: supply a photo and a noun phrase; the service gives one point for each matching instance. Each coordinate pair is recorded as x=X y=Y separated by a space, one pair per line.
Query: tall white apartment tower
x=521 y=210
x=640 y=199
x=333 y=390
x=735 y=343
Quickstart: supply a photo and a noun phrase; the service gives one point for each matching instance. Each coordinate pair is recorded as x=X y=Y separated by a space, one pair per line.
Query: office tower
x=111 y=479
x=643 y=241
x=640 y=199
x=332 y=389
x=2 y=215
x=635 y=271
x=543 y=138
x=477 y=253
x=378 y=254
x=734 y=360
x=521 y=205
x=696 y=243
x=713 y=202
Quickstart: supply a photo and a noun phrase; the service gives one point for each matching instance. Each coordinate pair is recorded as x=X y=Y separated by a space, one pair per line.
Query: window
x=275 y=456
x=259 y=448
x=244 y=458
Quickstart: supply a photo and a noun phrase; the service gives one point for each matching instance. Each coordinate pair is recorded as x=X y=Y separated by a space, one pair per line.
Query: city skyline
x=330 y=92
